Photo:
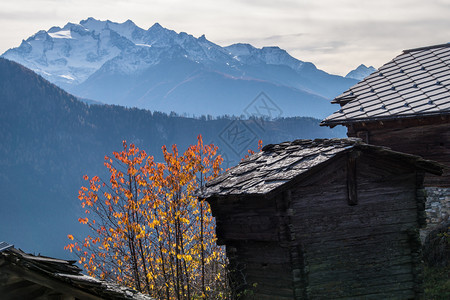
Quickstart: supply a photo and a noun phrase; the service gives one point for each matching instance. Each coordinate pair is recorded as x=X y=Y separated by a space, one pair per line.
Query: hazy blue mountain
x=159 y=69
x=361 y=72
x=50 y=139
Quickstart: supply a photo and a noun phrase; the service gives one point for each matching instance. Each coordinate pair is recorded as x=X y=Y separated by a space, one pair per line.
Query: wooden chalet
x=404 y=105
x=323 y=219
x=26 y=276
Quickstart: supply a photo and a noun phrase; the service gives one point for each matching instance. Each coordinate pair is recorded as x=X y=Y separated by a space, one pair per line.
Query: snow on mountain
x=69 y=55
x=360 y=72
x=269 y=55
x=60 y=34
x=121 y=63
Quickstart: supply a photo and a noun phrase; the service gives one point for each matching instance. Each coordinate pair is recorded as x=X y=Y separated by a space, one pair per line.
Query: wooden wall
x=307 y=242
x=261 y=270
x=368 y=250
x=249 y=227
x=428 y=138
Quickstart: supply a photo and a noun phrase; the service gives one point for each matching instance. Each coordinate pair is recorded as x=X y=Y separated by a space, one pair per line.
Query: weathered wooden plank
x=373 y=193
x=352 y=192
x=394 y=290
x=362 y=273
x=430 y=140
x=396 y=205
x=360 y=254
x=255 y=278
x=276 y=289
x=321 y=239
x=398 y=294
x=362 y=224
x=268 y=296
x=258 y=227
x=267 y=252
x=270 y=270
x=354 y=286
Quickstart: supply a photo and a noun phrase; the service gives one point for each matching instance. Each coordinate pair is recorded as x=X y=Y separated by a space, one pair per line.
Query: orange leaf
x=83 y=221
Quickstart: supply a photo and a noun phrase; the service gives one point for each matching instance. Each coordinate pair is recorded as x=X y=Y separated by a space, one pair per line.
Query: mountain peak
x=54 y=29
x=79 y=56
x=129 y=22
x=242 y=45
x=272 y=48
x=240 y=49
x=90 y=20
x=158 y=29
x=40 y=35
x=70 y=26
x=93 y=24
x=156 y=26
x=361 y=72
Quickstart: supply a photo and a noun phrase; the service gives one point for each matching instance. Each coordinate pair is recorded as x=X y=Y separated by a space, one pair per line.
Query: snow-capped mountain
x=248 y=54
x=361 y=72
x=68 y=56
x=159 y=69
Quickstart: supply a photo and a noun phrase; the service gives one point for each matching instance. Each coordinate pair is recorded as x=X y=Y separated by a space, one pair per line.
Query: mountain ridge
x=79 y=57
x=361 y=72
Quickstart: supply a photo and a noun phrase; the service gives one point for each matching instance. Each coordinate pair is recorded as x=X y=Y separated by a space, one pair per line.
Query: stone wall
x=437 y=208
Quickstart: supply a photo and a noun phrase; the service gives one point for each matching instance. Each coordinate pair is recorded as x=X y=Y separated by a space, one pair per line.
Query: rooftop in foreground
x=276 y=165
x=414 y=84
x=26 y=276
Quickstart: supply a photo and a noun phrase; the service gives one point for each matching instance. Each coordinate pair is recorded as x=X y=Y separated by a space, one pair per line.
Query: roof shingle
x=278 y=164
x=403 y=87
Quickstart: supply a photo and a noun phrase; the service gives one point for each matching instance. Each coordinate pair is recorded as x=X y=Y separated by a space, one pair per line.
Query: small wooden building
x=404 y=105
x=323 y=219
x=26 y=276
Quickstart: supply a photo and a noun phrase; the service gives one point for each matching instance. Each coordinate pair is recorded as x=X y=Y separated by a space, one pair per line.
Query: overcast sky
x=336 y=35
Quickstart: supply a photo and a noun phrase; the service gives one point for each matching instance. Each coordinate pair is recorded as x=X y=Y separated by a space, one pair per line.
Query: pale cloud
x=336 y=35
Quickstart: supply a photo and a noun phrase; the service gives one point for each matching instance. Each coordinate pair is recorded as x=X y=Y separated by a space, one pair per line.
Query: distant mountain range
x=161 y=70
x=50 y=139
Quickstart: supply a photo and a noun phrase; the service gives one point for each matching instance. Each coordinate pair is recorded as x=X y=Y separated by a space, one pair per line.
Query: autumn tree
x=148 y=230
x=251 y=152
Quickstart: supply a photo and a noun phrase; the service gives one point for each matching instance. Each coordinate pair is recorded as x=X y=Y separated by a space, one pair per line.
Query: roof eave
x=285 y=185
x=426 y=48
x=428 y=166
x=376 y=119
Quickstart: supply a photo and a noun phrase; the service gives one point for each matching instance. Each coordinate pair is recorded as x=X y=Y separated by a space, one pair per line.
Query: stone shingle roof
x=25 y=274
x=415 y=83
x=278 y=164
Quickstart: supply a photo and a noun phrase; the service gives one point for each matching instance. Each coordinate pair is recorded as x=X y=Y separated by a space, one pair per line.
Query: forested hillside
x=49 y=140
